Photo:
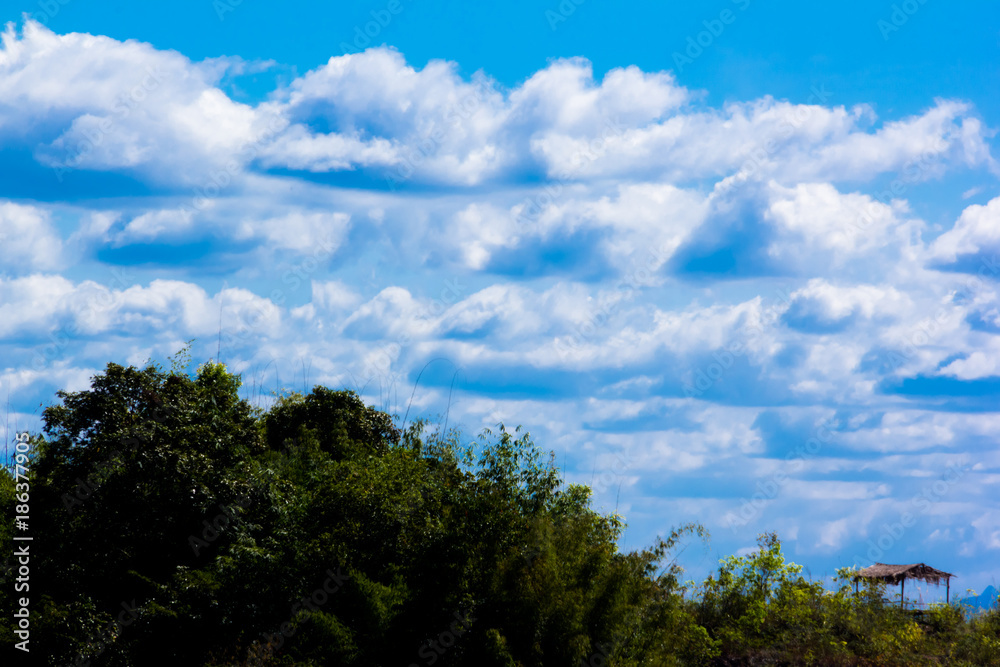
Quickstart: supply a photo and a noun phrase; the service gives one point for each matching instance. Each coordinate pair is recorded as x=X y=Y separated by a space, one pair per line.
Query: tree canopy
x=175 y=523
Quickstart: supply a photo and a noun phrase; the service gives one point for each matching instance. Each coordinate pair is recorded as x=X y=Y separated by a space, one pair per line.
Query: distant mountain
x=984 y=600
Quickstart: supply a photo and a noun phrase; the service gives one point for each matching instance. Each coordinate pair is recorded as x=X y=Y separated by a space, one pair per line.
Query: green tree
x=126 y=477
x=221 y=524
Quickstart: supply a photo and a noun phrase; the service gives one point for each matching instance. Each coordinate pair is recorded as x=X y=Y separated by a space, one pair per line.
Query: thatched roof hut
x=893 y=574
x=898 y=574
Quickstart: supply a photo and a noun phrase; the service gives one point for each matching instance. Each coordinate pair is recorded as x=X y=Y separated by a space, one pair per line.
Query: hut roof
x=893 y=574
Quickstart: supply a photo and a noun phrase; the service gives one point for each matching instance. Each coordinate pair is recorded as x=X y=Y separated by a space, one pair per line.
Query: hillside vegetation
x=174 y=523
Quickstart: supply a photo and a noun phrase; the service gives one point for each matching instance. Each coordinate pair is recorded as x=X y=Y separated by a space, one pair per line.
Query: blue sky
x=734 y=262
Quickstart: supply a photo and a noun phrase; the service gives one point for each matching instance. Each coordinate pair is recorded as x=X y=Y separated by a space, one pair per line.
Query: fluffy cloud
x=817 y=215
x=605 y=259
x=333 y=295
x=91 y=102
x=821 y=306
x=977 y=232
x=34 y=305
x=28 y=241
x=100 y=104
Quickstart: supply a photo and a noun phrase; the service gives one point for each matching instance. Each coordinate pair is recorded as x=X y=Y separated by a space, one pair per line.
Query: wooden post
x=902 y=591
x=947 y=590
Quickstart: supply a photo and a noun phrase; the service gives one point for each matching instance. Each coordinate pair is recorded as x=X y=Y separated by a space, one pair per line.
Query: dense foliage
x=176 y=524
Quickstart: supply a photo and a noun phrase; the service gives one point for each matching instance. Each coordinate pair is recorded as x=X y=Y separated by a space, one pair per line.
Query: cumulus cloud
x=334 y=295
x=584 y=250
x=976 y=232
x=36 y=304
x=373 y=109
x=29 y=304
x=817 y=215
x=157 y=225
x=101 y=104
x=769 y=138
x=28 y=240
x=92 y=102
x=821 y=306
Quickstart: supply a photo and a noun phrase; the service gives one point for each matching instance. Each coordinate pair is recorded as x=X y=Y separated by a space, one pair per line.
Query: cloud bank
x=739 y=315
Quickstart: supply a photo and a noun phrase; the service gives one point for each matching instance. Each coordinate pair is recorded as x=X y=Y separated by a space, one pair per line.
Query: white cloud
x=816 y=215
x=31 y=303
x=578 y=284
x=478 y=230
x=40 y=303
x=977 y=230
x=298 y=149
x=157 y=225
x=28 y=241
x=303 y=231
x=826 y=303
x=333 y=295
x=977 y=365
x=383 y=112
x=97 y=103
